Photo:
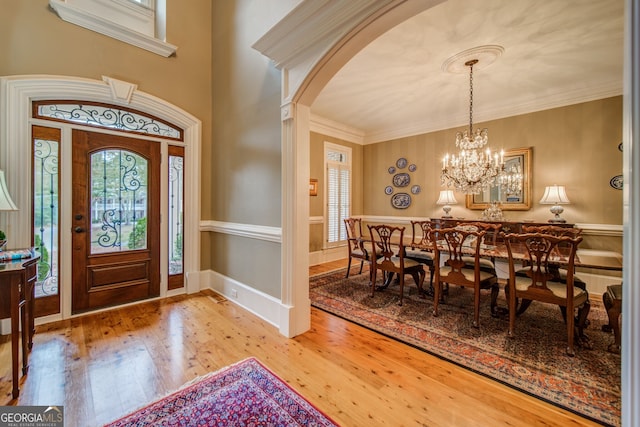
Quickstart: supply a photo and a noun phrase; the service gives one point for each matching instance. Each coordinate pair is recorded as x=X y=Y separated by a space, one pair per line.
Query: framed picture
x=313 y=187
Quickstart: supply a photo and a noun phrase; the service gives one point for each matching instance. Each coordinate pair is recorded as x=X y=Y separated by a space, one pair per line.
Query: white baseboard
x=262 y=305
x=328 y=255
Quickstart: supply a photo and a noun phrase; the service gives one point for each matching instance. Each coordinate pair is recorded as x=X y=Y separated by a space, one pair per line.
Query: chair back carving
x=388 y=255
x=355 y=238
x=461 y=244
x=421 y=237
x=491 y=229
x=458 y=243
x=356 y=242
x=386 y=247
x=537 y=280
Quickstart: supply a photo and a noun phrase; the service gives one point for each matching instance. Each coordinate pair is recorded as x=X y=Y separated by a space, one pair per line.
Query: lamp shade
x=555 y=195
x=6 y=204
x=446 y=198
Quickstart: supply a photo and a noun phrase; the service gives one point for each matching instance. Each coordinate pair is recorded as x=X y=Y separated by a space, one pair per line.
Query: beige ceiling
x=556 y=52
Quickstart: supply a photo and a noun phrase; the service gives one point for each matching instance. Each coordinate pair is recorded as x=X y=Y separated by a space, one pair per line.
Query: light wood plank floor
x=104 y=365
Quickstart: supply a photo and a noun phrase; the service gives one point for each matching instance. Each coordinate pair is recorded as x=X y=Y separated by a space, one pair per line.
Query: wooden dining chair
x=454 y=246
x=536 y=281
x=558 y=271
x=492 y=230
x=558 y=231
x=420 y=249
x=388 y=256
x=356 y=243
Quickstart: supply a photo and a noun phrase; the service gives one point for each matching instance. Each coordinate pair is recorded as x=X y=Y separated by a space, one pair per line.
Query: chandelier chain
x=471 y=95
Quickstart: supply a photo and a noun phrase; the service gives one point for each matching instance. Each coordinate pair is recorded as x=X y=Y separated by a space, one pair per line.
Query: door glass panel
x=176 y=183
x=118 y=201
x=45 y=214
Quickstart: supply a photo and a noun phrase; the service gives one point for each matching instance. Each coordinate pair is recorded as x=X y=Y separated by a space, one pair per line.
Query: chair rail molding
x=252 y=231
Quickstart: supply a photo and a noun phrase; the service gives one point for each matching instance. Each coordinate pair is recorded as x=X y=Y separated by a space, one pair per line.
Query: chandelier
x=473 y=169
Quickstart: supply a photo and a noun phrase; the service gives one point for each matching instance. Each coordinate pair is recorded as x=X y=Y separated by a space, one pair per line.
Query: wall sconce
x=555 y=195
x=446 y=198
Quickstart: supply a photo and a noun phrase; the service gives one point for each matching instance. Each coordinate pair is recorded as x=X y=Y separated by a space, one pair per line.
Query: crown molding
x=551 y=101
x=335 y=129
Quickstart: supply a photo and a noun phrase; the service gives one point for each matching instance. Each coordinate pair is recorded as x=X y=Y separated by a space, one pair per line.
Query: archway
x=308 y=61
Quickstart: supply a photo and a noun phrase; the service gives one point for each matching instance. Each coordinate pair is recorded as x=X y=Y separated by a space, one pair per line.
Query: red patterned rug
x=534 y=361
x=243 y=394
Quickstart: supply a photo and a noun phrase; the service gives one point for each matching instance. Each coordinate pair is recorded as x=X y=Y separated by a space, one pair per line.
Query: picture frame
x=522 y=157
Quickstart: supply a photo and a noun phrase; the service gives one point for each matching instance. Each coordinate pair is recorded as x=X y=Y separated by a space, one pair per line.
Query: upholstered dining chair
x=420 y=248
x=558 y=232
x=561 y=273
x=388 y=256
x=536 y=282
x=356 y=243
x=490 y=238
x=453 y=246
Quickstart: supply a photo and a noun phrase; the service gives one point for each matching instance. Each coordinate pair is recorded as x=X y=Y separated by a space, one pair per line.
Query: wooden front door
x=116 y=220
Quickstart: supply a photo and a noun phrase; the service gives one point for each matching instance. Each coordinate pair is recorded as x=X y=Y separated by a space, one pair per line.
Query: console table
x=507 y=226
x=17 y=285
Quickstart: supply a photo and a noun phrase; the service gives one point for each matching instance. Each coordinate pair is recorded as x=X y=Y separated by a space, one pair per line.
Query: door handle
x=79 y=230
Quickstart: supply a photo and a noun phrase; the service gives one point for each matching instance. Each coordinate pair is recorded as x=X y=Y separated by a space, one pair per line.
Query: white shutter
x=333 y=203
x=338 y=193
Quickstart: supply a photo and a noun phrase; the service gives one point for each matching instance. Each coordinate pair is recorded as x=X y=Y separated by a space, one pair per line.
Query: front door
x=116 y=220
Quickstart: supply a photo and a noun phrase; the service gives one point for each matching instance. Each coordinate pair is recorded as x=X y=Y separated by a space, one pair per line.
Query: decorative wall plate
x=401 y=179
x=415 y=189
x=392 y=169
x=401 y=200
x=401 y=163
x=412 y=167
x=388 y=189
x=616 y=182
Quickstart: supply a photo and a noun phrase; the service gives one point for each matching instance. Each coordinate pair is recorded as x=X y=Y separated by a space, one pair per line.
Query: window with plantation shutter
x=338 y=194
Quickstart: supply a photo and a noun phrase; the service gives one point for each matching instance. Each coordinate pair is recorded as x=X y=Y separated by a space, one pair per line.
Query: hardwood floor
x=104 y=365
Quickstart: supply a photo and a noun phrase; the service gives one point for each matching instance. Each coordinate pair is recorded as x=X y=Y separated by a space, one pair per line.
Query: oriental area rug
x=243 y=394
x=534 y=361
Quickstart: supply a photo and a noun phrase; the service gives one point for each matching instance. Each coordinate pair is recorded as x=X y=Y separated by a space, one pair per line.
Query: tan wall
x=316 y=169
x=575 y=146
x=245 y=162
x=34 y=40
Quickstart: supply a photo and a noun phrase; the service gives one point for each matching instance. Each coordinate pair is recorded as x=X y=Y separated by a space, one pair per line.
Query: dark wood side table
x=17 y=286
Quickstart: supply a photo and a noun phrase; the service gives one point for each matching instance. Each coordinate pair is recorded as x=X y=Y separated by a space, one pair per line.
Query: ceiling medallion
x=485 y=56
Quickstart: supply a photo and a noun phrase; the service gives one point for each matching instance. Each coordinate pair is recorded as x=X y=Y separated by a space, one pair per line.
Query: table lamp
x=555 y=195
x=446 y=198
x=6 y=204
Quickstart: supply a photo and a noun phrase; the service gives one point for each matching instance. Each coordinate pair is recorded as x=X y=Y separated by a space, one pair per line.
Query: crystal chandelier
x=472 y=170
